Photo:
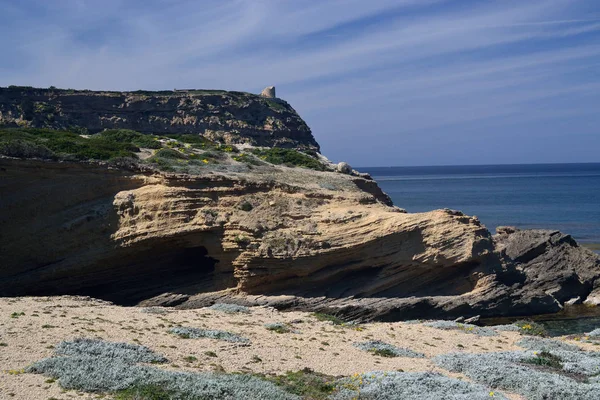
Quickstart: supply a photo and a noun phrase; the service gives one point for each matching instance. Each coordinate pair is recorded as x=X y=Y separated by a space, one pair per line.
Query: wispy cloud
x=397 y=74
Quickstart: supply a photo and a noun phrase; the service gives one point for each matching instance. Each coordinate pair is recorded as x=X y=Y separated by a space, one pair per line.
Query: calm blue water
x=550 y=196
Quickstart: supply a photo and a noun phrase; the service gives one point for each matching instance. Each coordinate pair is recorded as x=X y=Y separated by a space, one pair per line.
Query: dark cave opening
x=161 y=269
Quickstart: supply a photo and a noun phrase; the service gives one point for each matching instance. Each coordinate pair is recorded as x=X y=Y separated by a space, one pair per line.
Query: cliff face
x=230 y=117
x=232 y=226
x=286 y=237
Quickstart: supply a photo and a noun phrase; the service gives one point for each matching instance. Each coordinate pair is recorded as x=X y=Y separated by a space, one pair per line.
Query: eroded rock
x=165 y=239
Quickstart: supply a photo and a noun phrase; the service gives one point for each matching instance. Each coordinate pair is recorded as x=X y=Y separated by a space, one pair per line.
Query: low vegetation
x=329 y=317
x=409 y=385
x=595 y=333
x=278 y=327
x=130 y=137
x=467 y=328
x=383 y=349
x=289 y=157
x=184 y=153
x=531 y=328
x=305 y=383
x=549 y=369
x=545 y=359
x=117 y=369
x=61 y=145
x=196 y=333
x=230 y=308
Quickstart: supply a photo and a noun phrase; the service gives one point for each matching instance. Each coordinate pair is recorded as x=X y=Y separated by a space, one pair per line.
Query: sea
x=563 y=197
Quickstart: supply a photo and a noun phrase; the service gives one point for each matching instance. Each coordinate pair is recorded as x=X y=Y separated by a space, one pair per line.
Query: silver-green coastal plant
x=106 y=367
x=387 y=350
x=575 y=375
x=197 y=333
x=131 y=353
x=506 y=328
x=279 y=327
x=541 y=344
x=155 y=310
x=393 y=385
x=467 y=328
x=595 y=333
x=230 y=308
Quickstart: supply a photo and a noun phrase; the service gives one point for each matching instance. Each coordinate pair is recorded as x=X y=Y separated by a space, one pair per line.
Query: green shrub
x=289 y=157
x=278 y=327
x=129 y=136
x=23 y=149
x=248 y=159
x=246 y=206
x=276 y=105
x=62 y=144
x=144 y=392
x=227 y=148
x=531 y=328
x=305 y=383
x=545 y=359
x=328 y=317
x=195 y=140
x=170 y=153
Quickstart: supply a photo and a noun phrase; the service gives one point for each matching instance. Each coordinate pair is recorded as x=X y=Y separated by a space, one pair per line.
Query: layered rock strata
x=287 y=237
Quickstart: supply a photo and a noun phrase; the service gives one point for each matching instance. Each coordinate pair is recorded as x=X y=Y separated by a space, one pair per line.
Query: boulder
x=343 y=168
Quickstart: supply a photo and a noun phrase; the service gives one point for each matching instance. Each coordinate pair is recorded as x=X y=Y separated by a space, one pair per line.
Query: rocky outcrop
x=229 y=117
x=343 y=168
x=287 y=237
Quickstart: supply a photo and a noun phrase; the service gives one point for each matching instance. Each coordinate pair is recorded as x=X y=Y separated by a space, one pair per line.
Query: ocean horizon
x=563 y=197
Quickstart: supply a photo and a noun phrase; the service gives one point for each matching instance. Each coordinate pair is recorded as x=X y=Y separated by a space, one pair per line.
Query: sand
x=319 y=345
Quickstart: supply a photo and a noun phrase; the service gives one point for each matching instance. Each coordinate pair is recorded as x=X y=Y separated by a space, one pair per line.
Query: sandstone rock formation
x=309 y=240
x=268 y=92
x=230 y=117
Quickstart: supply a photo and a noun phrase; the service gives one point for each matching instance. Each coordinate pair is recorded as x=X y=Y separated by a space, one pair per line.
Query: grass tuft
x=329 y=318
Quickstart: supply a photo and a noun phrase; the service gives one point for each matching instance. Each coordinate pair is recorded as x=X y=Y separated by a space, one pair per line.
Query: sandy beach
x=32 y=326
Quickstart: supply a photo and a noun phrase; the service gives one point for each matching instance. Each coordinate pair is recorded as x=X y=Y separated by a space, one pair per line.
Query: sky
x=380 y=82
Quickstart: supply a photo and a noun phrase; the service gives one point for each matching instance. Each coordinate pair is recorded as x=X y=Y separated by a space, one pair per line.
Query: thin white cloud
x=419 y=64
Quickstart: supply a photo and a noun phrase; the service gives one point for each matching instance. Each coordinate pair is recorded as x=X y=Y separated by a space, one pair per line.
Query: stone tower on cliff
x=268 y=92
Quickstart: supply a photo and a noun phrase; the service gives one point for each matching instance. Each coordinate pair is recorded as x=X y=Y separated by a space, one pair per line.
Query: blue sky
x=380 y=82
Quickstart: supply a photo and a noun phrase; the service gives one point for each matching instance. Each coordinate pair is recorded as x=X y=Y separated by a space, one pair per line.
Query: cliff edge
x=228 y=117
x=184 y=221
